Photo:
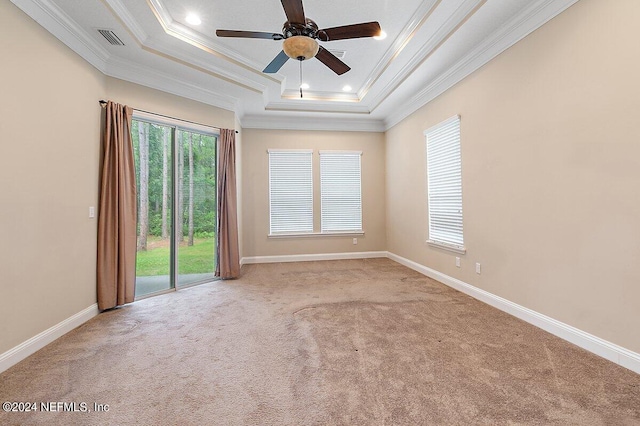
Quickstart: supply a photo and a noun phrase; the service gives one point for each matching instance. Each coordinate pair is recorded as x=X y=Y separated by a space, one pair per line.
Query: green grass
x=196 y=259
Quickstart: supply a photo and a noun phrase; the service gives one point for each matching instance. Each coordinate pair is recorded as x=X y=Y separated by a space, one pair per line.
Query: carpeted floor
x=357 y=342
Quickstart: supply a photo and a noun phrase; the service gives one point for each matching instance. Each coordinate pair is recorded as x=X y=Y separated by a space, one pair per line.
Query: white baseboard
x=591 y=343
x=312 y=257
x=23 y=350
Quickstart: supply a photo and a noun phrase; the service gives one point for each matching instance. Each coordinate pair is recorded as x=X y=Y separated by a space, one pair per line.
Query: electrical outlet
x=457 y=262
x=477 y=268
x=355 y=241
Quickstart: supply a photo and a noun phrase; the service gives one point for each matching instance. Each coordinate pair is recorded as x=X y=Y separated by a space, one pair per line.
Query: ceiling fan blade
x=367 y=29
x=330 y=60
x=277 y=63
x=294 y=11
x=248 y=34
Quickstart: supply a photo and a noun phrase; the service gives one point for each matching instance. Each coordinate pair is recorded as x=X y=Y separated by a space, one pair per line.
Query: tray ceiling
x=430 y=46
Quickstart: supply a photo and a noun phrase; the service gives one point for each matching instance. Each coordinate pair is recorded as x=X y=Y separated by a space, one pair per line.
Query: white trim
x=462 y=14
x=39 y=341
x=304 y=151
x=181 y=56
x=316 y=234
x=447 y=246
x=312 y=257
x=267 y=122
x=202 y=42
x=337 y=151
x=591 y=343
x=145 y=76
x=420 y=16
x=304 y=105
x=320 y=96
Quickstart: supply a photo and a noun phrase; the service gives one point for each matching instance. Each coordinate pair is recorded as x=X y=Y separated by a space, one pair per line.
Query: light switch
x=92 y=212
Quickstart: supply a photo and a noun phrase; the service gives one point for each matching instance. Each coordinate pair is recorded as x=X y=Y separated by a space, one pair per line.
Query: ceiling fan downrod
x=300 y=60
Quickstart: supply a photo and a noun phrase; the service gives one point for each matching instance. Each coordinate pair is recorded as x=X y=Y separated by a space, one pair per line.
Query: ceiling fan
x=300 y=34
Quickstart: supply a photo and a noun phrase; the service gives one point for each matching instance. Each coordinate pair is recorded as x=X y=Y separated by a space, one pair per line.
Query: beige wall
x=50 y=127
x=255 y=190
x=551 y=173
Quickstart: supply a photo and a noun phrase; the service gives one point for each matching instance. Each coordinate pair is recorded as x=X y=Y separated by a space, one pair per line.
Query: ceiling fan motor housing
x=309 y=29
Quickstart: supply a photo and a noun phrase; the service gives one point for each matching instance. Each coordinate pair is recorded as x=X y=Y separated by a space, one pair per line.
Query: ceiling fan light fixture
x=300 y=47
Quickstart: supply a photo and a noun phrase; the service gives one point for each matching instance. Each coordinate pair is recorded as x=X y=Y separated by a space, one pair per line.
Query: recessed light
x=304 y=86
x=382 y=36
x=193 y=19
x=347 y=88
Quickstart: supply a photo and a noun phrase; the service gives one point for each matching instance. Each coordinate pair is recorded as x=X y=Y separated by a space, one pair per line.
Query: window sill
x=447 y=246
x=317 y=234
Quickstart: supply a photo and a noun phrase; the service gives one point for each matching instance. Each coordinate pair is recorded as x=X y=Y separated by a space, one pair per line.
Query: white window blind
x=444 y=183
x=290 y=191
x=340 y=190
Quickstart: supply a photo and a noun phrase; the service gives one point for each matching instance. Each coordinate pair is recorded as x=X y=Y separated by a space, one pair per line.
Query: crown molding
x=183 y=57
x=301 y=105
x=420 y=16
x=442 y=34
x=58 y=23
x=178 y=55
x=149 y=77
x=311 y=123
x=321 y=96
x=506 y=36
x=186 y=34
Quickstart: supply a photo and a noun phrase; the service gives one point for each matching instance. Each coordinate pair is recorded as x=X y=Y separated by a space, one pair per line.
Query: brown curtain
x=227 y=253
x=117 y=213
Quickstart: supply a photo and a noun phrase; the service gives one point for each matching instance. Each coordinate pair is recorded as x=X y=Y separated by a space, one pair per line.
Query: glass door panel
x=152 y=152
x=196 y=221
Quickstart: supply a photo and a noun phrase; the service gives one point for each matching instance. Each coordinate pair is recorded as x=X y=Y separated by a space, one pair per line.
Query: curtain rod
x=102 y=102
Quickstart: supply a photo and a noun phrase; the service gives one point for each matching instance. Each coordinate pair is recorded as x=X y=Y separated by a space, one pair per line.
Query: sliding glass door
x=196 y=224
x=176 y=182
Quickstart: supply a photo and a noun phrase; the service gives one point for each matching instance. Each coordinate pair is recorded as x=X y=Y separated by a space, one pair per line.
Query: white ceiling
x=431 y=45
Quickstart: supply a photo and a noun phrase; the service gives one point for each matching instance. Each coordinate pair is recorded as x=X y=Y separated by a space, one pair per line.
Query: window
x=290 y=191
x=444 y=185
x=340 y=191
